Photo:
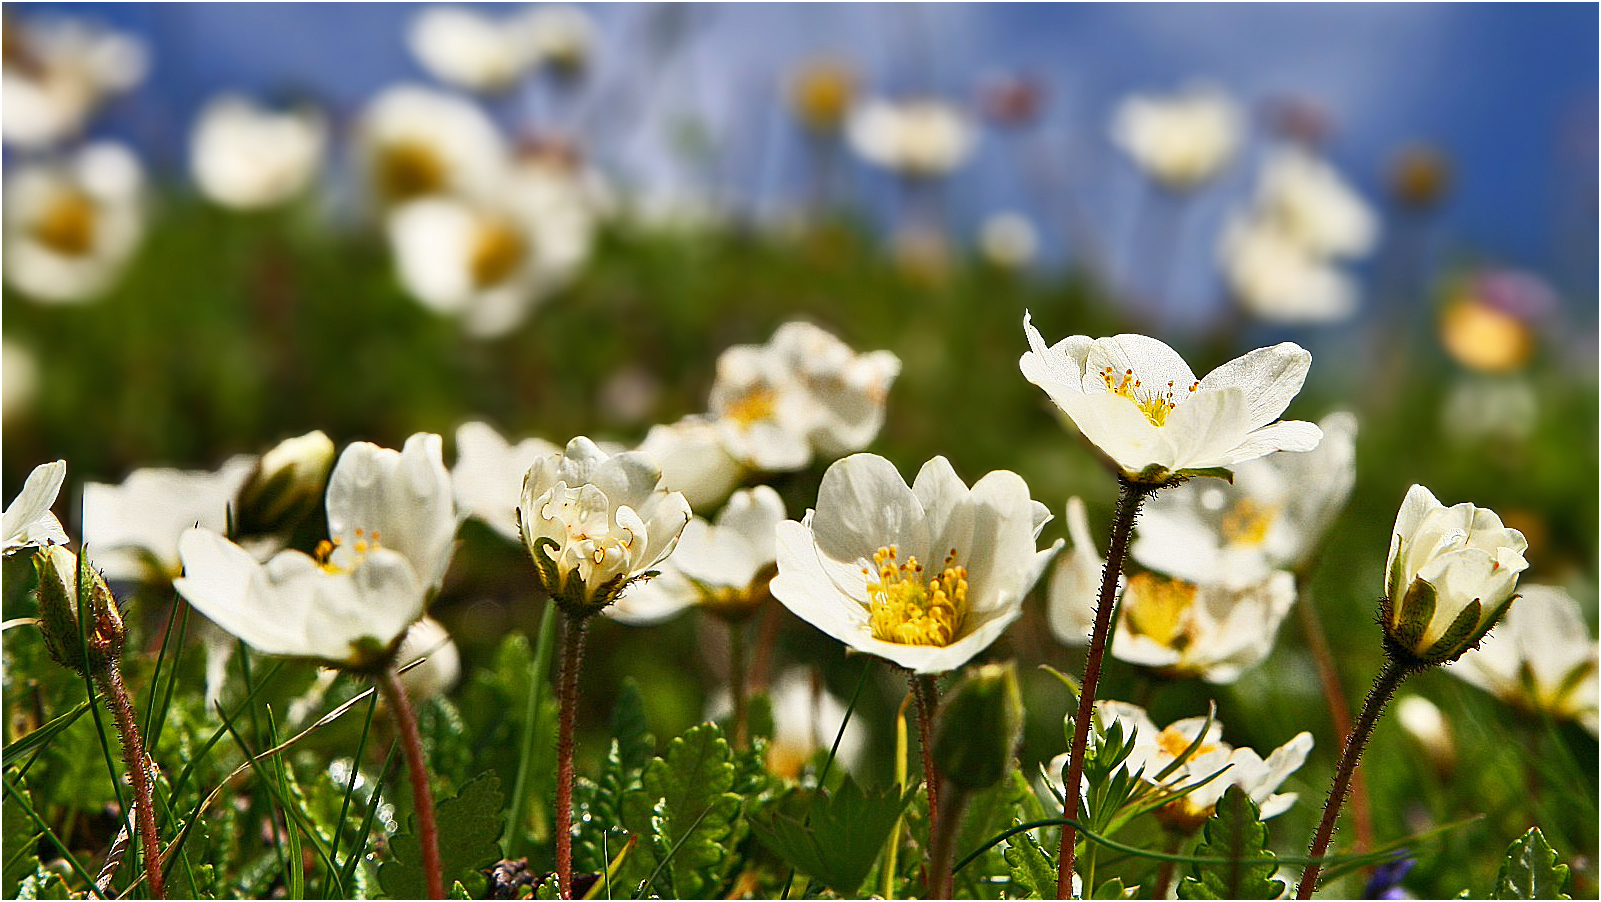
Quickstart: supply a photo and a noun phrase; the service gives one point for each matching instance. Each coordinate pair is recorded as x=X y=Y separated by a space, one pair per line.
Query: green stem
x=538 y=671
x=422 y=795
x=572 y=652
x=1383 y=687
x=133 y=754
x=926 y=694
x=1128 y=506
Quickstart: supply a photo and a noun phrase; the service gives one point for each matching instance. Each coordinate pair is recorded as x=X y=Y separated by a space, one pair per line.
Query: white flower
x=1272 y=517
x=488 y=476
x=1426 y=724
x=57 y=73
x=1155 y=749
x=414 y=142
x=920 y=138
x=249 y=158
x=285 y=485
x=855 y=567
x=1008 y=240
x=1214 y=630
x=19 y=378
x=1452 y=571
x=28 y=522
x=1540 y=658
x=132 y=529
x=464 y=48
x=1136 y=400
x=596 y=522
x=806 y=717
x=722 y=566
x=805 y=391
x=1180 y=140
x=1275 y=278
x=557 y=35
x=399 y=500
x=350 y=610
x=694 y=459
x=441 y=666
x=70 y=226
x=1076 y=583
x=1301 y=195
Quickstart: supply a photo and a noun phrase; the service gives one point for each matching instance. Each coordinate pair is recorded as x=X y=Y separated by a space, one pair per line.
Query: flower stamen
x=1154 y=404
x=906 y=610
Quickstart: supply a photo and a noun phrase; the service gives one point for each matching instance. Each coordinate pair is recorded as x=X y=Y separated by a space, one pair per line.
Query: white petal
x=1153 y=363
x=863 y=505
x=1269 y=377
x=1285 y=435
x=218 y=580
x=25 y=520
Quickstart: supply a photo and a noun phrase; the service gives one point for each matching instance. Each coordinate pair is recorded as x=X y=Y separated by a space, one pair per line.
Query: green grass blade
x=544 y=647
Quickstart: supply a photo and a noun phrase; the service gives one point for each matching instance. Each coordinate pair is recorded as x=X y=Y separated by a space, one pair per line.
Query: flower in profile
x=250 y=158
x=597 y=522
x=466 y=49
x=1076 y=583
x=1275 y=278
x=415 y=142
x=694 y=459
x=821 y=93
x=391 y=525
x=1540 y=658
x=1157 y=748
x=488 y=476
x=58 y=72
x=925 y=576
x=723 y=566
x=1182 y=140
x=134 y=527
x=803 y=392
x=1137 y=401
x=1452 y=573
x=71 y=225
x=1273 y=516
x=919 y=138
x=285 y=485
x=1300 y=194
x=28 y=522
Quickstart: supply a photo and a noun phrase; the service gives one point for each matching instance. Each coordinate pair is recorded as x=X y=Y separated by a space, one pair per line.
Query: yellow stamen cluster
x=497 y=250
x=1174 y=741
x=1246 y=523
x=365 y=542
x=753 y=405
x=409 y=169
x=1157 y=606
x=1154 y=404
x=67 y=225
x=906 y=610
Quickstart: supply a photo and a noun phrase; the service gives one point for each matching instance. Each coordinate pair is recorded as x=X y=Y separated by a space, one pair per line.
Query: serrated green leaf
x=469 y=838
x=843 y=838
x=1033 y=871
x=1530 y=870
x=685 y=805
x=1235 y=832
x=597 y=805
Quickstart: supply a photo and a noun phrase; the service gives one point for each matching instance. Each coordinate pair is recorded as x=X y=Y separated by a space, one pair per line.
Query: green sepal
x=1413 y=614
x=1223 y=473
x=1463 y=633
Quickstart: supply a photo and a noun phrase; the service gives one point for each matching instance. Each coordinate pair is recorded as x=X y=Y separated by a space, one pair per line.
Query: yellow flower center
x=365 y=542
x=753 y=405
x=408 y=169
x=1156 y=606
x=908 y=611
x=67 y=226
x=1154 y=403
x=497 y=250
x=1246 y=523
x=1174 y=742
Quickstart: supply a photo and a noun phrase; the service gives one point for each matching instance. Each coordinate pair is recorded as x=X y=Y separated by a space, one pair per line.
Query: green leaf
x=1113 y=889
x=469 y=838
x=1033 y=871
x=597 y=805
x=685 y=805
x=846 y=832
x=1530 y=870
x=43 y=884
x=20 y=839
x=1236 y=831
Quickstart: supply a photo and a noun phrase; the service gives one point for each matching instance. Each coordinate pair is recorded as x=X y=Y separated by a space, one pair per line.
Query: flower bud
x=1452 y=573
x=59 y=571
x=978 y=726
x=285 y=485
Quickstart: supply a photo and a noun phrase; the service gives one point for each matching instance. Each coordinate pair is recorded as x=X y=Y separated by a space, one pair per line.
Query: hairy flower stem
x=942 y=853
x=1128 y=505
x=1339 y=711
x=572 y=653
x=133 y=754
x=926 y=694
x=1383 y=687
x=422 y=795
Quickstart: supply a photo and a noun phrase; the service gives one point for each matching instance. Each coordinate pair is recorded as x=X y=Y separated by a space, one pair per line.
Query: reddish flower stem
x=422 y=795
x=133 y=755
x=926 y=694
x=572 y=653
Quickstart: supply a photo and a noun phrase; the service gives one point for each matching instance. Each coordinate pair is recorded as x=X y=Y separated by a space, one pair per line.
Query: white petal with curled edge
x=28 y=521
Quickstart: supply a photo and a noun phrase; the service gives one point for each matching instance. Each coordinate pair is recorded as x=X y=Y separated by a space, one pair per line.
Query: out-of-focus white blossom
x=1540 y=658
x=804 y=392
x=919 y=138
x=488 y=476
x=1426 y=724
x=27 y=521
x=133 y=528
x=1008 y=240
x=441 y=667
x=57 y=72
x=806 y=717
x=694 y=459
x=1076 y=582
x=1305 y=198
x=247 y=157
x=1180 y=140
x=467 y=49
x=71 y=225
x=1277 y=279
x=19 y=378
x=415 y=142
x=557 y=36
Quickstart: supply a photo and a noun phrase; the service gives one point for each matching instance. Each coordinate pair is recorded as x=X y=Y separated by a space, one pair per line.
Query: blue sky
x=1510 y=90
